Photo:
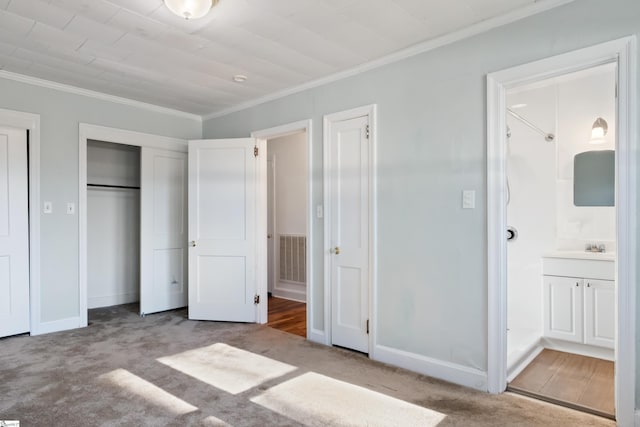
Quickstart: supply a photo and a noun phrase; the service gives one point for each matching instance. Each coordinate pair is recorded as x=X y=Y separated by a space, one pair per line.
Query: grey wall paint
x=60 y=113
x=431 y=145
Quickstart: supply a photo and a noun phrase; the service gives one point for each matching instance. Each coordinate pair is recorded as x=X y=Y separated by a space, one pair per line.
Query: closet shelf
x=113 y=186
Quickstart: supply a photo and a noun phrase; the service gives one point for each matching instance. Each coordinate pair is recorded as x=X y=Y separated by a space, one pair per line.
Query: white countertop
x=599 y=256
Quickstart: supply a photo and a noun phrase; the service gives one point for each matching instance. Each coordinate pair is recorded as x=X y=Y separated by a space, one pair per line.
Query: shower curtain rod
x=547 y=136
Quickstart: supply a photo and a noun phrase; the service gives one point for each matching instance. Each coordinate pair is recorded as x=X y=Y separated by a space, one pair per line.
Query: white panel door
x=222 y=230
x=163 y=230
x=600 y=313
x=349 y=224
x=563 y=304
x=14 y=233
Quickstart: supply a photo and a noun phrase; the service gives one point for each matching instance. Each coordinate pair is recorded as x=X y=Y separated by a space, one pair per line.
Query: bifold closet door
x=14 y=233
x=163 y=230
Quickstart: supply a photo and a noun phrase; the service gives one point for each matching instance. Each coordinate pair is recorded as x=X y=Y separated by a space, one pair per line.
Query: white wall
x=432 y=268
x=113 y=225
x=580 y=102
x=113 y=247
x=531 y=166
x=290 y=160
x=113 y=164
x=60 y=114
x=290 y=179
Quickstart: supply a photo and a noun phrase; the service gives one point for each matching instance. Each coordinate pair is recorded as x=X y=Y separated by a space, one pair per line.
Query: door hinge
x=367 y=132
x=255 y=151
x=367 y=326
x=256 y=299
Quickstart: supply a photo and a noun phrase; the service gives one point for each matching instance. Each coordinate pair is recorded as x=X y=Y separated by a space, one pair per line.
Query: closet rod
x=113 y=186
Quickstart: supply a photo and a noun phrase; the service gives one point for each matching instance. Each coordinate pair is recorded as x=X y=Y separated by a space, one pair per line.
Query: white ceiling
x=138 y=50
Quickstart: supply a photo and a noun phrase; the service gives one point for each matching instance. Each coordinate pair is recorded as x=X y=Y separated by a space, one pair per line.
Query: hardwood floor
x=289 y=316
x=579 y=382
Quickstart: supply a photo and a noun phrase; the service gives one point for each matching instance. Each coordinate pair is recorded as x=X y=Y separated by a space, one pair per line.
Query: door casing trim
x=117 y=136
x=261 y=137
x=624 y=52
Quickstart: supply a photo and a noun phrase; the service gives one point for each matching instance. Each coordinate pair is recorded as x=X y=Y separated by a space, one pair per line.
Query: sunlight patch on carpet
x=148 y=391
x=227 y=368
x=317 y=400
x=212 y=421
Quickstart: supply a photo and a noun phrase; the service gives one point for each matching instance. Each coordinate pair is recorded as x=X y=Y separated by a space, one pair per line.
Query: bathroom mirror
x=594 y=178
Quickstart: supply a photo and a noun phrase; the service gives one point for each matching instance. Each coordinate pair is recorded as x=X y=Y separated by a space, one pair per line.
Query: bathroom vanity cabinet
x=579 y=300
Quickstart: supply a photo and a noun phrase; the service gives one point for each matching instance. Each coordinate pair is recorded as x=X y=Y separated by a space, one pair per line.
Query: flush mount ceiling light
x=240 y=78
x=190 y=9
x=598 y=131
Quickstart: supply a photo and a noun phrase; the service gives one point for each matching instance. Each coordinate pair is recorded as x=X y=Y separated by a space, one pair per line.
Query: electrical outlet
x=71 y=208
x=48 y=207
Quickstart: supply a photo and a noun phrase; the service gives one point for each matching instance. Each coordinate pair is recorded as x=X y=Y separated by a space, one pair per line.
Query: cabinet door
x=563 y=299
x=600 y=313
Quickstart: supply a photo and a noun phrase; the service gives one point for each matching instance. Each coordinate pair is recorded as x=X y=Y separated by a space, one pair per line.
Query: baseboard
x=56 y=326
x=317 y=336
x=581 y=349
x=523 y=362
x=447 y=371
x=290 y=294
x=636 y=421
x=109 y=300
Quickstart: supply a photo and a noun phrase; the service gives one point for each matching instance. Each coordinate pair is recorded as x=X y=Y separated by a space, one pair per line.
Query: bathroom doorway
x=561 y=250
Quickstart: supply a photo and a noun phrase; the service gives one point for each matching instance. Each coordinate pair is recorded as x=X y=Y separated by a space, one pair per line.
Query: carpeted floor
x=164 y=370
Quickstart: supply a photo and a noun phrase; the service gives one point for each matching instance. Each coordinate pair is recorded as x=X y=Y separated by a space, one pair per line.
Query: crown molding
x=96 y=95
x=480 y=27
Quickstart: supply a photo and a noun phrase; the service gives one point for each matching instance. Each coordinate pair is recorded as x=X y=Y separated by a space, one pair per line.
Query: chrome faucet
x=594 y=247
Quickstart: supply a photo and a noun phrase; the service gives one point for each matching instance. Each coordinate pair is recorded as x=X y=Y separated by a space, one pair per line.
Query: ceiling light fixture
x=598 y=131
x=240 y=78
x=190 y=9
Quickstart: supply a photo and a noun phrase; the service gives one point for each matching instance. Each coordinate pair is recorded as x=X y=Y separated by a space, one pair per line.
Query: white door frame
x=31 y=122
x=116 y=136
x=262 y=136
x=624 y=52
x=271 y=245
x=328 y=120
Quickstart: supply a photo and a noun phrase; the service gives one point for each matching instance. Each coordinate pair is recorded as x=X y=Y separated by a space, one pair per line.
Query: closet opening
x=287 y=232
x=113 y=225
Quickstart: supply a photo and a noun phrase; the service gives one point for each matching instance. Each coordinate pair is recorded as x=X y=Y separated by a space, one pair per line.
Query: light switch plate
x=468 y=199
x=48 y=207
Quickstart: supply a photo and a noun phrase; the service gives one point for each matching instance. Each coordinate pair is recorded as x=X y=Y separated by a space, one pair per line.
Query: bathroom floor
x=579 y=382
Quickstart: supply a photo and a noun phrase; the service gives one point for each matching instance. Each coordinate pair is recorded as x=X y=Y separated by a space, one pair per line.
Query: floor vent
x=293 y=256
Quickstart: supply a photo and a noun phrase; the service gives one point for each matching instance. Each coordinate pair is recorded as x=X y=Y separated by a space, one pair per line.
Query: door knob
x=192 y=243
x=336 y=250
x=269 y=236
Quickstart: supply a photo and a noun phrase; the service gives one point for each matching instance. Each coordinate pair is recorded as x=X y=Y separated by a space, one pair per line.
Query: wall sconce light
x=598 y=131
x=190 y=9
